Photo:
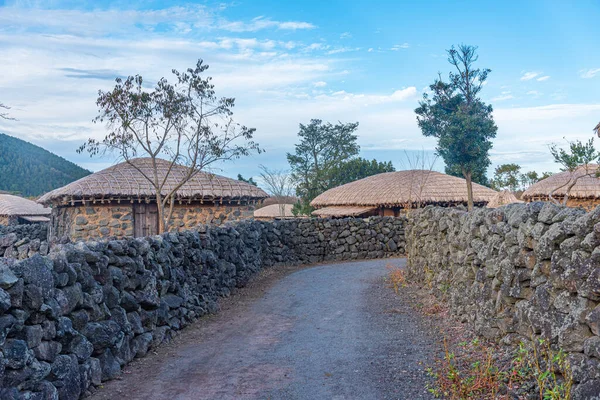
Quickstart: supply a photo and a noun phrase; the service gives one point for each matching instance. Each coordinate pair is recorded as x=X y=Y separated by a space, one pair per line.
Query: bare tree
x=578 y=162
x=183 y=122
x=279 y=184
x=418 y=181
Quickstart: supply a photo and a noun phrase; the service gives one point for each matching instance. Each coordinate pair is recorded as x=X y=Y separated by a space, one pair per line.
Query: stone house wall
x=98 y=221
x=517 y=273
x=75 y=318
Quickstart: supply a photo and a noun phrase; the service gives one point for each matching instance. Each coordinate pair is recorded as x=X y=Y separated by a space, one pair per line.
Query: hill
x=29 y=170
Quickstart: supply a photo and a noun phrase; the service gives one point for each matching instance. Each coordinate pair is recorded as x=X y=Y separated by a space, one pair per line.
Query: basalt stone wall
x=516 y=273
x=22 y=241
x=74 y=318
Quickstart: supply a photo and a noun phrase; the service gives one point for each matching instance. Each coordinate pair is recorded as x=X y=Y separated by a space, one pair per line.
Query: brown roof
x=502 y=198
x=587 y=185
x=342 y=211
x=125 y=181
x=597 y=129
x=14 y=206
x=402 y=188
x=275 y=211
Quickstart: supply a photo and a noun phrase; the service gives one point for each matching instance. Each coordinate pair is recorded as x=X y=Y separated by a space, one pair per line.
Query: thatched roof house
x=503 y=198
x=274 y=211
x=120 y=202
x=391 y=192
x=582 y=185
x=18 y=210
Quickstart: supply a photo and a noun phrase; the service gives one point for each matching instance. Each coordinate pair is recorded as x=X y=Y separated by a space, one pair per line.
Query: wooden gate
x=145 y=220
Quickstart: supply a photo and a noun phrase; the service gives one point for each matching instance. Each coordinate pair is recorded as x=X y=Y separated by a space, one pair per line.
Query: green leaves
x=455 y=115
x=578 y=154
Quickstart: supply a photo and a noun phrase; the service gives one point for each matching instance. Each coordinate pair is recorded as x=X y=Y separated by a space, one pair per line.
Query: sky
x=286 y=62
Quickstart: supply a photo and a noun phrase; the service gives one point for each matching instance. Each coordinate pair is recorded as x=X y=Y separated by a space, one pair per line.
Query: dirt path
x=328 y=332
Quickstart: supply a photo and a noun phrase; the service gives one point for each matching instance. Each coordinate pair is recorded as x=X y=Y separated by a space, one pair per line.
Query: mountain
x=29 y=170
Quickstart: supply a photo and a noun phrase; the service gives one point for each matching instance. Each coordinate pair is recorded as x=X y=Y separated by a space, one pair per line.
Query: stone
x=6 y=324
x=591 y=347
x=140 y=344
x=102 y=334
x=65 y=377
x=47 y=351
x=128 y=302
x=80 y=347
x=172 y=301
x=16 y=353
x=5 y=301
x=7 y=277
x=36 y=271
x=110 y=365
x=32 y=334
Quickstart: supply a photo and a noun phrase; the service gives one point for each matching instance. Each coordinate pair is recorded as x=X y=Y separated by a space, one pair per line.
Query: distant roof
x=275 y=211
x=402 y=188
x=11 y=205
x=587 y=185
x=342 y=211
x=502 y=198
x=125 y=180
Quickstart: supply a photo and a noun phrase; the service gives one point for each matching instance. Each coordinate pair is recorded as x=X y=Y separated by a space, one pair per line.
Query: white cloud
x=320 y=84
x=397 y=47
x=346 y=35
x=506 y=95
x=589 y=73
x=527 y=76
x=343 y=50
x=370 y=50
x=543 y=78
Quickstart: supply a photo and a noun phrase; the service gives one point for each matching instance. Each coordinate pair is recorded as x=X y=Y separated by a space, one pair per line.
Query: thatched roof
x=124 y=181
x=275 y=211
x=587 y=185
x=343 y=211
x=502 y=198
x=597 y=129
x=403 y=189
x=18 y=206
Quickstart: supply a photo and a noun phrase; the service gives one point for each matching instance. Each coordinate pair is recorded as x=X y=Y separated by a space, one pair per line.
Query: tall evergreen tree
x=458 y=118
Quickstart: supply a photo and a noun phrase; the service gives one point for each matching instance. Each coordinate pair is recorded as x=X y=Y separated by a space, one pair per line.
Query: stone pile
x=23 y=241
x=74 y=318
x=517 y=273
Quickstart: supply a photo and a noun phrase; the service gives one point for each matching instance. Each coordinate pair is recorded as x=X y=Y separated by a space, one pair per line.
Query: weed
x=397 y=277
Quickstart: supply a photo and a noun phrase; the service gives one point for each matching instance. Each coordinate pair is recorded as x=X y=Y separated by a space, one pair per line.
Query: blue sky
x=287 y=62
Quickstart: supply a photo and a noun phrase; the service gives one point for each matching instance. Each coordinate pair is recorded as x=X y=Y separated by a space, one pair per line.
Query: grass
x=396 y=276
x=475 y=369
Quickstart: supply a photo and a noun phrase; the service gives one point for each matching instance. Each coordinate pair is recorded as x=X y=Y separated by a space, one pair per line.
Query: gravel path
x=329 y=332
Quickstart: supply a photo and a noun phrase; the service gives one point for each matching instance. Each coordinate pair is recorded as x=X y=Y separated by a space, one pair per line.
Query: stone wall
x=101 y=221
x=516 y=273
x=187 y=217
x=74 y=318
x=22 y=241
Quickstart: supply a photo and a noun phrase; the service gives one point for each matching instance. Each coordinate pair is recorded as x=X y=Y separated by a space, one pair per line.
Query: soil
x=335 y=331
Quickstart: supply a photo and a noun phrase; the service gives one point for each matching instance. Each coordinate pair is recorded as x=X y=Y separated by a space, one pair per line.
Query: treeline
x=29 y=170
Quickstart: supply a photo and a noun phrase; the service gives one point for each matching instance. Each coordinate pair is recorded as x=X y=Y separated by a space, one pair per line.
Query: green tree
x=458 y=118
x=507 y=177
x=183 y=122
x=323 y=146
x=357 y=168
x=578 y=157
x=249 y=180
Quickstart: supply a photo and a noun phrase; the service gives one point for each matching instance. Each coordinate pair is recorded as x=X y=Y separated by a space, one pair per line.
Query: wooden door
x=145 y=220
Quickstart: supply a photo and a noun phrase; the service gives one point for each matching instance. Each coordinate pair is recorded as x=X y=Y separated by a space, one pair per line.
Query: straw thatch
x=597 y=129
x=587 y=185
x=18 y=206
x=124 y=181
x=403 y=189
x=274 y=211
x=503 y=198
x=343 y=211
